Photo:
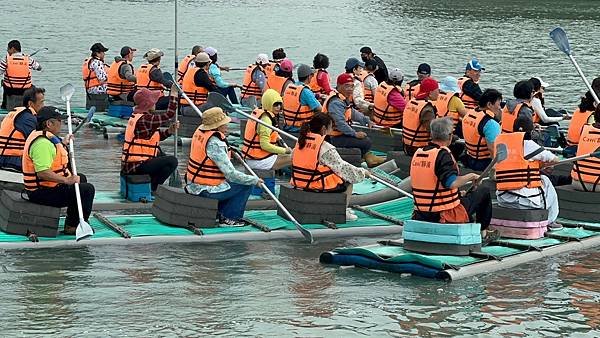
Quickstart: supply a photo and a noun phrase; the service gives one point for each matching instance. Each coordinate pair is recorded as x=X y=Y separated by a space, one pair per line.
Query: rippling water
x=280 y=289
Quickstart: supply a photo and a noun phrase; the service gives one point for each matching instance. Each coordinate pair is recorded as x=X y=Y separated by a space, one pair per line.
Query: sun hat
x=153 y=54
x=396 y=75
x=262 y=59
x=213 y=118
x=427 y=85
x=145 y=99
x=286 y=65
x=449 y=85
x=474 y=65
x=202 y=58
x=210 y=51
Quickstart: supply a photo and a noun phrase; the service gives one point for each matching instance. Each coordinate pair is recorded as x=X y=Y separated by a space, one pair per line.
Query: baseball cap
x=474 y=65
x=210 y=51
x=427 y=85
x=424 y=69
x=345 y=78
x=396 y=75
x=542 y=82
x=47 y=113
x=126 y=50
x=286 y=65
x=262 y=59
x=153 y=54
x=98 y=47
x=304 y=71
x=353 y=62
x=202 y=58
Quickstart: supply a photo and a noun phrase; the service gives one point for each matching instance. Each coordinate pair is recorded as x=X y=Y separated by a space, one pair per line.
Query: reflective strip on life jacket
x=347 y=112
x=249 y=87
x=295 y=114
x=197 y=94
x=117 y=85
x=384 y=114
x=307 y=172
x=143 y=78
x=578 y=121
x=201 y=169
x=413 y=133
x=469 y=102
x=137 y=149
x=12 y=141
x=60 y=164
x=251 y=145
x=475 y=142
x=516 y=172
x=17 y=74
x=587 y=170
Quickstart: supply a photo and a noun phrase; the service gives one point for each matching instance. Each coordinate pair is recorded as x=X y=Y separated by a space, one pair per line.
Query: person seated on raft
x=436 y=181
x=277 y=55
x=16 y=127
x=141 y=153
x=369 y=82
x=214 y=71
x=151 y=77
x=389 y=102
x=210 y=172
x=320 y=84
x=121 y=76
x=517 y=108
x=520 y=183
x=366 y=54
x=196 y=84
x=46 y=174
x=281 y=77
x=255 y=82
x=449 y=103
x=188 y=62
x=418 y=115
x=481 y=128
x=339 y=106
x=543 y=116
x=469 y=84
x=260 y=148
x=582 y=116
x=412 y=87
x=586 y=172
x=317 y=166
x=299 y=102
x=355 y=68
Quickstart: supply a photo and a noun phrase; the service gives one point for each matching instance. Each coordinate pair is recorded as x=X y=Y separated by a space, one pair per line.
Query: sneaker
x=555 y=226
x=350 y=210
x=350 y=216
x=227 y=222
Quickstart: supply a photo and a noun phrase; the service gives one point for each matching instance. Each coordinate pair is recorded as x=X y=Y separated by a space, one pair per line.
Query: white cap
x=396 y=75
x=262 y=59
x=544 y=84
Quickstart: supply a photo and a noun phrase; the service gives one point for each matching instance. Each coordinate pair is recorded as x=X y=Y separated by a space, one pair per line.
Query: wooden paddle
x=84 y=230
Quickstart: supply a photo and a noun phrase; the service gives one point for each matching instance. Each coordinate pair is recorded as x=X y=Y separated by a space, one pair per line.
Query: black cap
x=126 y=50
x=366 y=50
x=98 y=47
x=424 y=69
x=47 y=113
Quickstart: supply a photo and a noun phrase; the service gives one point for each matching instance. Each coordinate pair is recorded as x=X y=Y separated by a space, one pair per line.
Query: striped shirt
x=34 y=65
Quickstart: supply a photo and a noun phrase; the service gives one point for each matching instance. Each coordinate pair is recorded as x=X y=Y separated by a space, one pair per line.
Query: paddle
x=39 y=50
x=237 y=68
x=307 y=235
x=501 y=154
x=83 y=230
x=87 y=119
x=175 y=178
x=559 y=36
x=386 y=130
x=595 y=153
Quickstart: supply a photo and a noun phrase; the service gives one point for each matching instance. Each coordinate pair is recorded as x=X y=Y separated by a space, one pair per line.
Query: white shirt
x=536 y=104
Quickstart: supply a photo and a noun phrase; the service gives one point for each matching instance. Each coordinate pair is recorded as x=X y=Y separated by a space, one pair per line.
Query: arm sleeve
x=126 y=72
x=323 y=81
x=396 y=100
x=445 y=170
x=33 y=64
x=42 y=152
x=215 y=72
x=216 y=150
x=157 y=75
x=26 y=123
x=544 y=156
x=201 y=79
x=329 y=157
x=264 y=134
x=360 y=118
x=307 y=98
x=491 y=130
x=541 y=113
x=472 y=89
x=3 y=66
x=336 y=110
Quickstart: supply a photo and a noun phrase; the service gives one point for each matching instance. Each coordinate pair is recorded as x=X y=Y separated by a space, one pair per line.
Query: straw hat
x=213 y=118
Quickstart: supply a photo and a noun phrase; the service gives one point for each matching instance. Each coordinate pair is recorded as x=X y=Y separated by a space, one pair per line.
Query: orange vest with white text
x=137 y=149
x=411 y=91
x=578 y=121
x=60 y=164
x=472 y=126
x=442 y=106
x=347 y=112
x=516 y=172
x=201 y=169
x=413 y=133
x=307 y=172
x=251 y=148
x=384 y=114
x=184 y=66
x=587 y=170
x=17 y=74
x=117 y=85
x=294 y=113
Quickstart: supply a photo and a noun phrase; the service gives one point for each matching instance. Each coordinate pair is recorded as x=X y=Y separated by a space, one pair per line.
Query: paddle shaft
x=391 y=186
x=587 y=83
x=37 y=51
x=73 y=166
x=378 y=127
x=176 y=134
x=573 y=159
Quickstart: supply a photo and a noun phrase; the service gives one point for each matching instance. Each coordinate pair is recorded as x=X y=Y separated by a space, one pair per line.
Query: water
x=280 y=289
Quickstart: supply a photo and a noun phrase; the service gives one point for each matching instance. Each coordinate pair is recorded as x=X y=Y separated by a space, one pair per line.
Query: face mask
x=364 y=58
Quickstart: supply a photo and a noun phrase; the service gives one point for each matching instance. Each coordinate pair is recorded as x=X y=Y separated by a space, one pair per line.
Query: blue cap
x=475 y=65
x=449 y=85
x=353 y=62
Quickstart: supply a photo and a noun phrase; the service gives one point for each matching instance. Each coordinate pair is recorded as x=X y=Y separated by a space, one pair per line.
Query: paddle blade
x=83 y=231
x=501 y=152
x=67 y=91
x=559 y=36
x=90 y=114
x=218 y=100
x=168 y=76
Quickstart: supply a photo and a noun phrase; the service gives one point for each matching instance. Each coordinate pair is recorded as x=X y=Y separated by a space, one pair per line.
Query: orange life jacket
x=516 y=171
x=90 y=79
x=117 y=85
x=472 y=126
x=183 y=67
x=314 y=85
x=413 y=133
x=12 y=141
x=137 y=149
x=17 y=74
x=470 y=103
x=588 y=169
x=347 y=112
x=442 y=105
x=270 y=68
x=411 y=91
x=197 y=94
x=249 y=87
x=384 y=114
x=60 y=164
x=251 y=146
x=295 y=114
x=277 y=83
x=509 y=117
x=143 y=78
x=307 y=172
x=578 y=121
x=429 y=193
x=201 y=169
x=369 y=94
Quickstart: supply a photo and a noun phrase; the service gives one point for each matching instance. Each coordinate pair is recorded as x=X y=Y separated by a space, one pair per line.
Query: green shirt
x=42 y=151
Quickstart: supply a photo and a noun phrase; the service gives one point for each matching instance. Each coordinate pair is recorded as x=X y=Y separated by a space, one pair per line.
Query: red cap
x=345 y=78
x=427 y=85
x=286 y=65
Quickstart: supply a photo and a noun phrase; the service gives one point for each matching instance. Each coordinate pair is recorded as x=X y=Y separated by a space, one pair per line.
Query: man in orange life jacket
x=16 y=68
x=355 y=68
x=255 y=82
x=187 y=62
x=196 y=84
x=150 y=76
x=16 y=127
x=435 y=181
x=339 y=106
x=299 y=101
x=46 y=171
x=121 y=76
x=412 y=88
x=95 y=78
x=586 y=172
x=469 y=84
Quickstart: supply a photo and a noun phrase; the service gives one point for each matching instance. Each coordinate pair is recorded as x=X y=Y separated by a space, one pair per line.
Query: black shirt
x=472 y=89
x=201 y=80
x=381 y=74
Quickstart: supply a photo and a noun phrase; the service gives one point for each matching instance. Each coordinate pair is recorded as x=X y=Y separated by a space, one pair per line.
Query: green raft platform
x=503 y=254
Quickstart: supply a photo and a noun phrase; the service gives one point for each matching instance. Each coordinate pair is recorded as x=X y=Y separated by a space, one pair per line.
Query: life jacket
x=347 y=112
x=197 y=94
x=369 y=94
x=90 y=79
x=12 y=141
x=413 y=133
x=143 y=78
x=249 y=87
x=17 y=74
x=411 y=91
x=429 y=193
x=251 y=145
x=60 y=164
x=277 y=83
x=578 y=121
x=295 y=114
x=314 y=85
x=117 y=85
x=201 y=169
x=442 y=105
x=509 y=117
x=470 y=103
x=270 y=68
x=472 y=126
x=307 y=172
x=384 y=114
x=516 y=171
x=183 y=67
x=137 y=149
x=588 y=169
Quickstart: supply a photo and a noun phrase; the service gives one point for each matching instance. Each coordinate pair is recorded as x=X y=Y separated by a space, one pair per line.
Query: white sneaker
x=350 y=216
x=350 y=210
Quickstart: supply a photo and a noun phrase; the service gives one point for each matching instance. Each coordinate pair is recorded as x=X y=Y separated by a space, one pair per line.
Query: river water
x=280 y=289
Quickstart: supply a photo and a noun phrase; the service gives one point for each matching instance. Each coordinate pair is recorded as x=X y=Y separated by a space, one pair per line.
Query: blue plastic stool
x=136 y=188
x=121 y=111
